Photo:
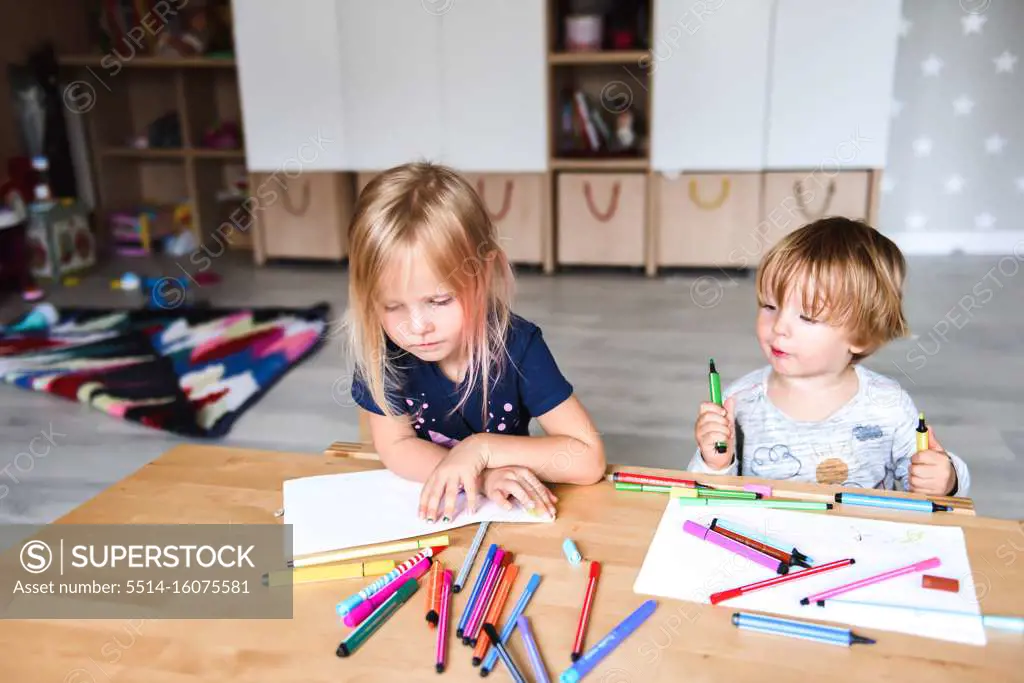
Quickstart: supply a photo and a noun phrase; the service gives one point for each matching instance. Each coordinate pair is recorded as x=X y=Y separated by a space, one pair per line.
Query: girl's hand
x=716 y=423
x=460 y=470
x=522 y=484
x=932 y=471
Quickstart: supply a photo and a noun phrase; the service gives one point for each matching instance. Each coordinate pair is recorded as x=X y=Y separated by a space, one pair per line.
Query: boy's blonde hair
x=851 y=277
x=429 y=213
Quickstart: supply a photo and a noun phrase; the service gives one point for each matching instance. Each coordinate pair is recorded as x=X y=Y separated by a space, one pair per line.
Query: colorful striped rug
x=189 y=371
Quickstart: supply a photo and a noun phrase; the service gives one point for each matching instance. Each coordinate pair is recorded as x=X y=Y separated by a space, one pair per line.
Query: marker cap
x=572 y=553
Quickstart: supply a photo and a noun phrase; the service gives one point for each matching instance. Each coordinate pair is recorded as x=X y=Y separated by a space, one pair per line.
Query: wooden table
x=681 y=641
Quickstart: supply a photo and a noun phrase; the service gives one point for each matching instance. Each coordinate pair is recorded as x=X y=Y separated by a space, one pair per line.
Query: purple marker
x=477 y=616
x=706 y=534
x=526 y=631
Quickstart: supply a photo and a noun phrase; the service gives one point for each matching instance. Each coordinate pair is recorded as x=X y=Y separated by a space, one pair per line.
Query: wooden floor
x=636 y=350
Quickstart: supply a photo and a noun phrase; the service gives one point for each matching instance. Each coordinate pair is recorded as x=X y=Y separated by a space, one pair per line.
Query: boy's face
x=797 y=345
x=419 y=311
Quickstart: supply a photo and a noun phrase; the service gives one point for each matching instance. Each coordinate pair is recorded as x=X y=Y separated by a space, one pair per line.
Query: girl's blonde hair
x=851 y=276
x=427 y=212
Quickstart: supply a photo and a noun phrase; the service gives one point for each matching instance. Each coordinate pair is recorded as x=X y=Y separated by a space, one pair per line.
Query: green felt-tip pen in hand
x=715 y=385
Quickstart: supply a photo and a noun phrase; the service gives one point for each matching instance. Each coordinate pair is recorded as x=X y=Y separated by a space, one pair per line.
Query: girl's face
x=419 y=311
x=797 y=345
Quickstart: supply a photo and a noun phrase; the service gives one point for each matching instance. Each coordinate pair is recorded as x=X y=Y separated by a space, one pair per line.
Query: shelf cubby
x=133 y=167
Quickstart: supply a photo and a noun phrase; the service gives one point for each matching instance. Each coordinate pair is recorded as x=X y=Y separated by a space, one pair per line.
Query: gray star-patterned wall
x=955 y=174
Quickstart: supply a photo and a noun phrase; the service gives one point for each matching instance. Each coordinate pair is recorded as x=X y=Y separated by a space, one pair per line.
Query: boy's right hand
x=716 y=423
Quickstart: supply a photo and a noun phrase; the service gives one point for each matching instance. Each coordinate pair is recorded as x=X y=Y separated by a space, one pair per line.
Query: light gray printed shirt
x=867 y=443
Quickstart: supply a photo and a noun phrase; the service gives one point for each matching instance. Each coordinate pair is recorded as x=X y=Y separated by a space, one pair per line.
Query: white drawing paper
x=339 y=511
x=683 y=567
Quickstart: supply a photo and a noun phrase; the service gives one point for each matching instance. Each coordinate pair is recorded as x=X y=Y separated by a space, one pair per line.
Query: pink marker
x=765 y=491
x=923 y=565
x=711 y=536
x=349 y=603
x=477 y=615
x=366 y=607
x=442 y=622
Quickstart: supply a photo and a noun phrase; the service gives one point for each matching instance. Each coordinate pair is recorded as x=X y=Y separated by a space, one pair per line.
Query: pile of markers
x=366 y=611
x=478 y=626
x=690 y=492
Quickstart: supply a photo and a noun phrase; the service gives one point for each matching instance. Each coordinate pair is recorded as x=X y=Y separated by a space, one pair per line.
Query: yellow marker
x=369 y=551
x=682 y=492
x=330 y=572
x=922 y=433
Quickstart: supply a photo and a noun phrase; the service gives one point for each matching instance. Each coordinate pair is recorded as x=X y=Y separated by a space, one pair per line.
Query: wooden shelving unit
x=611 y=81
x=128 y=96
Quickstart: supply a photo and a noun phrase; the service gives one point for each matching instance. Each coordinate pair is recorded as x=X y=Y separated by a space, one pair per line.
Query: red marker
x=588 y=602
x=768 y=583
x=633 y=478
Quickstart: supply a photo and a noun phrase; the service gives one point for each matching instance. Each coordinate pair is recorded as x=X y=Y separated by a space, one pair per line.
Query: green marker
x=646 y=488
x=377 y=619
x=718 y=493
x=715 y=384
x=777 y=504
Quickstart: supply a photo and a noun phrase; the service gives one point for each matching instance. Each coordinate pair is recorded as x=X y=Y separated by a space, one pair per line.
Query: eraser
x=765 y=491
x=940 y=583
x=572 y=553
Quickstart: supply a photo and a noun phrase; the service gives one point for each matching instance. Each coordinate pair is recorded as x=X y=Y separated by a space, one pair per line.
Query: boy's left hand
x=460 y=470
x=931 y=471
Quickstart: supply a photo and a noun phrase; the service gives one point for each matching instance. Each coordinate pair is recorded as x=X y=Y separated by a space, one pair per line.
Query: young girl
x=830 y=295
x=449 y=375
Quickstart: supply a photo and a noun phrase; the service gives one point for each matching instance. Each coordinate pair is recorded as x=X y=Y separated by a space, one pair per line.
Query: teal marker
x=366 y=629
x=715 y=385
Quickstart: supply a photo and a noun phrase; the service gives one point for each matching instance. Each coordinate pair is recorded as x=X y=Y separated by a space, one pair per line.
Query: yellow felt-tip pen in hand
x=922 y=433
x=328 y=572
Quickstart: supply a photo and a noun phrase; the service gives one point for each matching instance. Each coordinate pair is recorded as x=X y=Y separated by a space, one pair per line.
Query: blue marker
x=1006 y=623
x=830 y=635
x=594 y=655
x=467 y=564
x=890 y=502
x=510 y=623
x=481 y=577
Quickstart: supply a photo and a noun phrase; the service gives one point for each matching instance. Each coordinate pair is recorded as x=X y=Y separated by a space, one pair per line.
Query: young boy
x=830 y=294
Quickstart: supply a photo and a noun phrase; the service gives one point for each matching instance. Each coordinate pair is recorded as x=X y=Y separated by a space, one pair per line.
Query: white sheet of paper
x=338 y=511
x=683 y=567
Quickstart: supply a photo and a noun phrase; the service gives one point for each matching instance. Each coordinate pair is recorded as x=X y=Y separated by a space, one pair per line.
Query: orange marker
x=494 y=612
x=434 y=593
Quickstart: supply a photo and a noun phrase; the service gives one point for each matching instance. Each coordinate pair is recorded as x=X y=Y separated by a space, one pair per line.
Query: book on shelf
x=588 y=129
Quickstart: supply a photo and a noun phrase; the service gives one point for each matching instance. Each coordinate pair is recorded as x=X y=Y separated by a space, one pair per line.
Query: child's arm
x=395 y=440
x=907 y=462
x=571 y=452
x=401 y=451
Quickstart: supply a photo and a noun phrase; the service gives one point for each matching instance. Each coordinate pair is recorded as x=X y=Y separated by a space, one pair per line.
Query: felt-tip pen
x=893 y=502
x=715 y=386
x=922 y=433
x=585 y=664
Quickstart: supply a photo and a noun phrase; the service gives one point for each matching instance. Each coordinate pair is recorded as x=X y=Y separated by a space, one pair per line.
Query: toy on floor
x=165 y=293
x=148 y=229
x=42 y=317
